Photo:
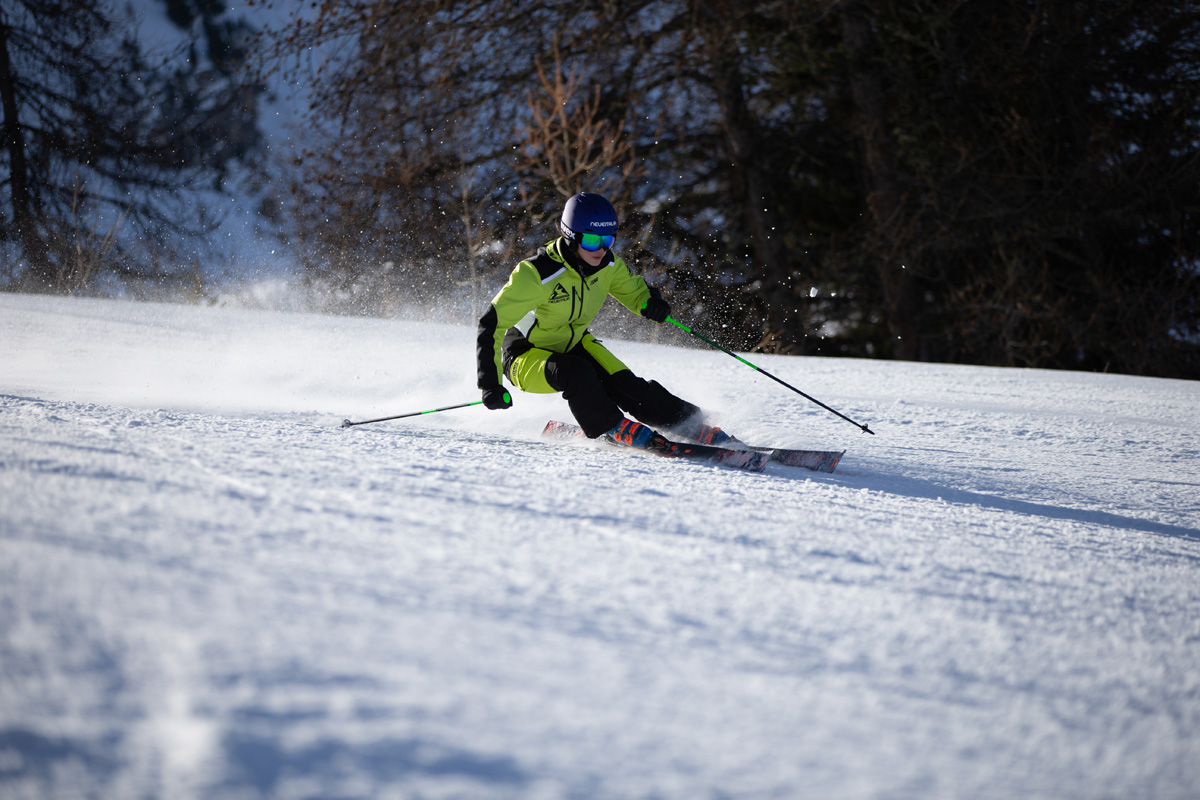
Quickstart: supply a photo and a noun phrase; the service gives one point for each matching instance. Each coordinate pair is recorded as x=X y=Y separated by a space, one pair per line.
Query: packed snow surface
x=210 y=589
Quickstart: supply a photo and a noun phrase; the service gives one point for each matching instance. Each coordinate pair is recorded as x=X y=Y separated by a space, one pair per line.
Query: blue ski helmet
x=588 y=212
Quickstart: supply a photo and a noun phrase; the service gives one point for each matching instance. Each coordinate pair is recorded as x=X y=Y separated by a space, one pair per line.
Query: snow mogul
x=550 y=350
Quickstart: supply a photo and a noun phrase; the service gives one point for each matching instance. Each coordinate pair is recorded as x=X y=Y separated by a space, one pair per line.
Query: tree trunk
x=751 y=180
x=24 y=203
x=884 y=197
x=757 y=197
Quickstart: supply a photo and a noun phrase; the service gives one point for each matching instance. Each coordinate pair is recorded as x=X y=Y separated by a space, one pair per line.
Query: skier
x=551 y=350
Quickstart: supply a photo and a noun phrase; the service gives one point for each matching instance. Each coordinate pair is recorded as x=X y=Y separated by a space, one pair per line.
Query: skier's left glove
x=656 y=309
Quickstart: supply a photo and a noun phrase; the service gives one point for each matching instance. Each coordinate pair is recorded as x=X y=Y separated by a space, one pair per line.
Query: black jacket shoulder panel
x=545 y=264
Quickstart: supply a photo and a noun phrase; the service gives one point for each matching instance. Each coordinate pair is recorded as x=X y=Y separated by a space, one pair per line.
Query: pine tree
x=102 y=151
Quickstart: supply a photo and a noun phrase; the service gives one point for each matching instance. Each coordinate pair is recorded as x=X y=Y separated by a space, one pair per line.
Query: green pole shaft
x=759 y=369
x=348 y=424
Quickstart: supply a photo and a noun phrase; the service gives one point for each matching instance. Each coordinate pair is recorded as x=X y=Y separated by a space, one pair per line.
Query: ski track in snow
x=209 y=589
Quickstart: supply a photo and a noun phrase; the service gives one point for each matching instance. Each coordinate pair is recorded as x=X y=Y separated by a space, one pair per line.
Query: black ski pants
x=599 y=389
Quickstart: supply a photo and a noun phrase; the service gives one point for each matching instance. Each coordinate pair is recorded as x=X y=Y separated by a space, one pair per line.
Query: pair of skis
x=753 y=459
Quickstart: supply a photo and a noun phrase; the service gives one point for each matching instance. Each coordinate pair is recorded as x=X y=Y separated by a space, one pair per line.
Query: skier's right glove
x=496 y=398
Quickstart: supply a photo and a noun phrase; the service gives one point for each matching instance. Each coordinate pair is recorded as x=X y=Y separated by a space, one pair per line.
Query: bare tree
x=566 y=143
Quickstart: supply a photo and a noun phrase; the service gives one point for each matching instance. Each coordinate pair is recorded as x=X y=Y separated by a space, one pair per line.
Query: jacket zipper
x=583 y=287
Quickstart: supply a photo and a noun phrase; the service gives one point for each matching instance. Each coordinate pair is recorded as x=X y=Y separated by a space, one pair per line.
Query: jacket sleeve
x=630 y=290
x=520 y=295
x=487 y=351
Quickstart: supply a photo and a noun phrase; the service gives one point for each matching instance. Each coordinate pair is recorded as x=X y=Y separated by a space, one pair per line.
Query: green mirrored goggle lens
x=594 y=241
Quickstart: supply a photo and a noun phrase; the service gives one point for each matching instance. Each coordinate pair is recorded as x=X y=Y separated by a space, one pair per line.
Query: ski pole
x=678 y=324
x=348 y=424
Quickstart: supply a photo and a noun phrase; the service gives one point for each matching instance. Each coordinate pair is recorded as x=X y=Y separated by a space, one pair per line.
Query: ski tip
x=561 y=430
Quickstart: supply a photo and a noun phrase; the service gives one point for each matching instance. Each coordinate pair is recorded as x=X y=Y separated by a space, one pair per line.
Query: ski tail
x=562 y=431
x=816 y=460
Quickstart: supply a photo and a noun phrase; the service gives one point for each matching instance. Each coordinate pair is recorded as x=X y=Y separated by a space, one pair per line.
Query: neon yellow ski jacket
x=562 y=300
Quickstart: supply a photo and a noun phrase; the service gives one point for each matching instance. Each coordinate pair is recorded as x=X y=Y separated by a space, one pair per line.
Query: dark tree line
x=1011 y=182
x=103 y=144
x=1031 y=175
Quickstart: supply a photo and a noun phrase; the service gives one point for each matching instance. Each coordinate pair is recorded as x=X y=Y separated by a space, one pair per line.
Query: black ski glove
x=497 y=398
x=656 y=309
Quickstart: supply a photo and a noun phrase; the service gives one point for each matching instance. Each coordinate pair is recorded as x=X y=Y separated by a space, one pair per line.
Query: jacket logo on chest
x=559 y=294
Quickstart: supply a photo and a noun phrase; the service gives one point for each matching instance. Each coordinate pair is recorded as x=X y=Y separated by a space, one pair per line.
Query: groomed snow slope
x=209 y=589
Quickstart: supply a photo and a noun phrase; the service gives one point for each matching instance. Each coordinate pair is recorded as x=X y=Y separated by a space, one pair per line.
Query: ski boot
x=635 y=434
x=712 y=435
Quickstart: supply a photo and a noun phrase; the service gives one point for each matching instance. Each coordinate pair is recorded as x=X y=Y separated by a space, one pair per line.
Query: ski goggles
x=594 y=241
